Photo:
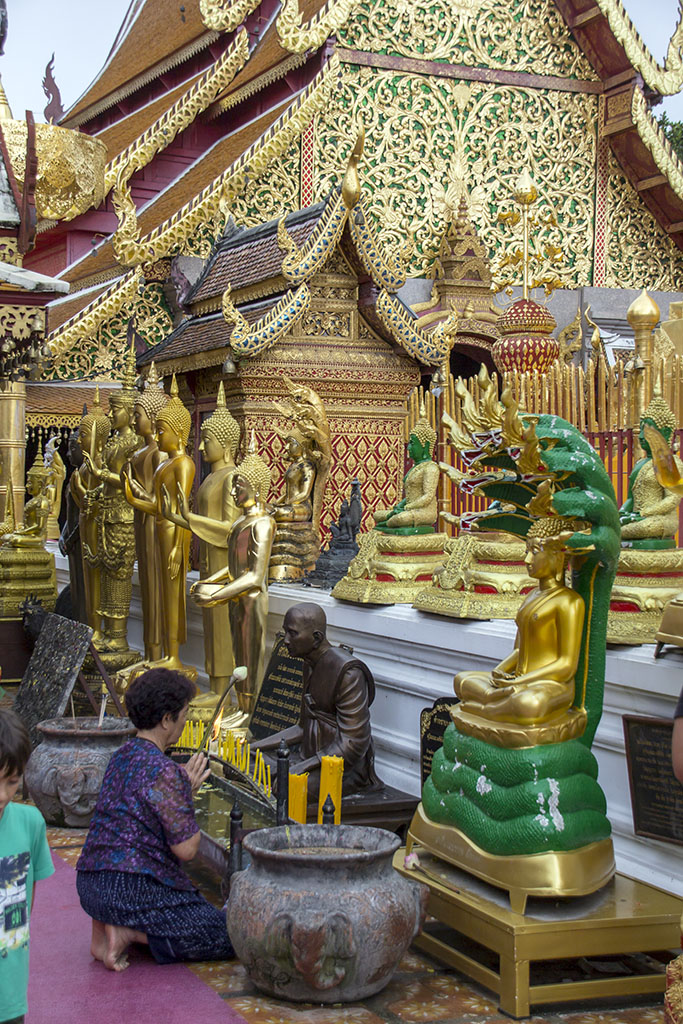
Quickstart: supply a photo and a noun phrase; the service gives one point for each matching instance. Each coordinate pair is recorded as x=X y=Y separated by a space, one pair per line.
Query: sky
x=81 y=32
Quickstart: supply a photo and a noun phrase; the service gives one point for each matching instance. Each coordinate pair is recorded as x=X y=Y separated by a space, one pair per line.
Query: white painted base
x=414 y=656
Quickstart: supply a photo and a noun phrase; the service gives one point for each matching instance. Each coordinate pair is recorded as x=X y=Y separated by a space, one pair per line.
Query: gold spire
x=129 y=370
x=220 y=398
x=5 y=109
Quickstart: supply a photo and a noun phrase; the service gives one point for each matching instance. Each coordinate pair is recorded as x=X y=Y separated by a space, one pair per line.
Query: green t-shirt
x=24 y=859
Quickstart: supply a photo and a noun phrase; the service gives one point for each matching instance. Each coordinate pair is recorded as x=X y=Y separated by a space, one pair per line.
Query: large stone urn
x=321 y=915
x=64 y=773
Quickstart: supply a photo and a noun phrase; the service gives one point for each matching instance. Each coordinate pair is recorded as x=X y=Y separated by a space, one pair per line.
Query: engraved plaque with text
x=279 y=702
x=433 y=724
x=656 y=793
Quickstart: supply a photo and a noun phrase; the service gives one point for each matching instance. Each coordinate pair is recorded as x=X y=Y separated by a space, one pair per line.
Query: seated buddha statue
x=33 y=532
x=649 y=516
x=534 y=685
x=417 y=511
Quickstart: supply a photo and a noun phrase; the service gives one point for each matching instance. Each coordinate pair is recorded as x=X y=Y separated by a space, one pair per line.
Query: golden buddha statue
x=25 y=566
x=649 y=516
x=58 y=475
x=33 y=532
x=144 y=464
x=244 y=582
x=399 y=556
x=116 y=533
x=417 y=510
x=308 y=451
x=533 y=687
x=212 y=523
x=172 y=541
x=86 y=491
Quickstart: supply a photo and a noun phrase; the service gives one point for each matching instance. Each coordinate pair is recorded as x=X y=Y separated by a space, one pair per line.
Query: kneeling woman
x=130 y=879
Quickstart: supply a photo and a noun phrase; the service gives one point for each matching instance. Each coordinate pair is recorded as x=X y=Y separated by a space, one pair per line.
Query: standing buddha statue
x=58 y=475
x=398 y=557
x=86 y=491
x=309 y=452
x=212 y=523
x=244 y=582
x=172 y=541
x=144 y=464
x=70 y=537
x=116 y=533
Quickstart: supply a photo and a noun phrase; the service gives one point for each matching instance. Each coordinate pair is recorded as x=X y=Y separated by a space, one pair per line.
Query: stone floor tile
x=259 y=1010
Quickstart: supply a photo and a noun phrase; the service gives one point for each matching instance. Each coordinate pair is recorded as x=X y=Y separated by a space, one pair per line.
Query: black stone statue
x=334 y=560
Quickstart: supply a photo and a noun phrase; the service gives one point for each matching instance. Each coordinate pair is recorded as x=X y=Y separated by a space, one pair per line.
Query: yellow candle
x=298 y=796
x=269 y=787
x=331 y=772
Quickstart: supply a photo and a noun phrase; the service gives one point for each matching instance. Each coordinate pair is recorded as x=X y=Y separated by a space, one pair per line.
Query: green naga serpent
x=513 y=793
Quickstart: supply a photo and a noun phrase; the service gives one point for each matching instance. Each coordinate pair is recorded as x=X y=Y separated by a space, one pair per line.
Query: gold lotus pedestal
x=484 y=577
x=392 y=569
x=646 y=581
x=470 y=919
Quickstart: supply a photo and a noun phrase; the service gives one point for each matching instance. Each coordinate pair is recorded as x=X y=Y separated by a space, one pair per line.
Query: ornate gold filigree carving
x=425 y=135
x=86 y=322
x=70 y=168
x=297 y=38
x=258 y=84
x=527 y=35
x=637 y=248
x=318 y=324
x=667 y=79
x=215 y=199
x=19 y=322
x=223 y=15
x=9 y=252
x=181 y=114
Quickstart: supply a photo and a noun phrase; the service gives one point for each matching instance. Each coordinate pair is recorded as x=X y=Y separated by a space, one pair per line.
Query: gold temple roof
x=159 y=34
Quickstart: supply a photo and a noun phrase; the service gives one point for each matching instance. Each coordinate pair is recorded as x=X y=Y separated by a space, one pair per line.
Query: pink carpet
x=68 y=987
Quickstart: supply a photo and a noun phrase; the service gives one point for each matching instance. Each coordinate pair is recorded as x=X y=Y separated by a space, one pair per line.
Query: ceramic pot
x=64 y=773
x=321 y=915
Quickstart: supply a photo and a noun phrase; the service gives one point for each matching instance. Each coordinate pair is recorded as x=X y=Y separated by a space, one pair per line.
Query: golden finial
x=5 y=109
x=152 y=377
x=175 y=414
x=351 y=183
x=153 y=398
x=222 y=425
x=525 y=192
x=129 y=370
x=96 y=401
x=220 y=397
x=423 y=430
x=251 y=447
x=286 y=243
x=643 y=311
x=174 y=387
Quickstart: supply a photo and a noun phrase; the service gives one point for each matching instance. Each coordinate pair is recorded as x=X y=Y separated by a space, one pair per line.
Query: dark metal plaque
x=656 y=793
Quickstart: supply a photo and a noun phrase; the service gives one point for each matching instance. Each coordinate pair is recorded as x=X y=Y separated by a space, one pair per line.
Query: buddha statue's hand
x=203 y=593
x=183 y=503
x=499 y=677
x=90 y=466
x=175 y=561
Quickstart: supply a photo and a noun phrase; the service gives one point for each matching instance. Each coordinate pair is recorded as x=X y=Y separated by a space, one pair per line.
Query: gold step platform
x=625 y=917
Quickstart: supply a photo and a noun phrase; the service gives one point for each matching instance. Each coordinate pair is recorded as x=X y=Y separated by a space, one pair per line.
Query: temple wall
x=414 y=657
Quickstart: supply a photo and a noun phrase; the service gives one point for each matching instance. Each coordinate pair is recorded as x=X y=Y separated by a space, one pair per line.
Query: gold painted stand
x=625 y=917
x=391 y=569
x=646 y=581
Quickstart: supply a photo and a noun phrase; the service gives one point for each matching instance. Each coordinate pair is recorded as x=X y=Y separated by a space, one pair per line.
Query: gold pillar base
x=23 y=572
x=572 y=873
x=484 y=577
x=391 y=569
x=624 y=917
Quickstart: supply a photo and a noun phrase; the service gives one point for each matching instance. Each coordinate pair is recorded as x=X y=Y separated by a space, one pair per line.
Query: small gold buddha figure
x=212 y=523
x=244 y=582
x=144 y=464
x=172 y=541
x=417 y=511
x=86 y=491
x=58 y=475
x=308 y=452
x=33 y=532
x=649 y=516
x=534 y=685
x=116 y=540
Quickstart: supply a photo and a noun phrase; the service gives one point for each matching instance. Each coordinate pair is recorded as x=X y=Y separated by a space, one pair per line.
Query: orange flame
x=215 y=732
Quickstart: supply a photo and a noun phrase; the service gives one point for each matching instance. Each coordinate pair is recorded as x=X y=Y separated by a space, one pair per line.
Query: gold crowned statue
x=308 y=449
x=86 y=491
x=650 y=571
x=212 y=523
x=174 y=473
x=115 y=552
x=144 y=464
x=58 y=475
x=398 y=558
x=527 y=698
x=25 y=566
x=244 y=582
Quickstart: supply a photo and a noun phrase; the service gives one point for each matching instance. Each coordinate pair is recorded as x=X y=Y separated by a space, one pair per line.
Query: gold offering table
x=508 y=949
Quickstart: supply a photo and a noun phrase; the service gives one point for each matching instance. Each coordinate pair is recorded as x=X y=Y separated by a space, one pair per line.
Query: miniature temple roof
x=154 y=37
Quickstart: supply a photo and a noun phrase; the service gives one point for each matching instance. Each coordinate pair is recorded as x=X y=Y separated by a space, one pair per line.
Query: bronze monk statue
x=335 y=705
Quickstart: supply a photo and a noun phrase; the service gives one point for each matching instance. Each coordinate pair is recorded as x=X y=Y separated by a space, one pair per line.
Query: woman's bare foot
x=117 y=942
x=98 y=942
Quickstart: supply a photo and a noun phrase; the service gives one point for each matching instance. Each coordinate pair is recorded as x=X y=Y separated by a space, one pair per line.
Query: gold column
x=643 y=316
x=13 y=443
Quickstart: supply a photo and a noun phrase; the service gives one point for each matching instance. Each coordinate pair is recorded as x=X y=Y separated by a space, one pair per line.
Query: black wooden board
x=433 y=723
x=279 y=702
x=656 y=793
x=51 y=673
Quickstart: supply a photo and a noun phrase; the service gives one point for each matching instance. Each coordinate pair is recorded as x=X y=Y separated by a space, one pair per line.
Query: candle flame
x=217 y=726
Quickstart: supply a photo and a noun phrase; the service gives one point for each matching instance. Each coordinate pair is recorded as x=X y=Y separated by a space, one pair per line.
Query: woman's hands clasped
x=198 y=770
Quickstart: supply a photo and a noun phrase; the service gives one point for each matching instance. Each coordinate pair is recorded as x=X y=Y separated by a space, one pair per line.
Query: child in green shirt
x=24 y=859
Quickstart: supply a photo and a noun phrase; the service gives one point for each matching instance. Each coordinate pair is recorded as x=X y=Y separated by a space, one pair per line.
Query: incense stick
x=238 y=675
